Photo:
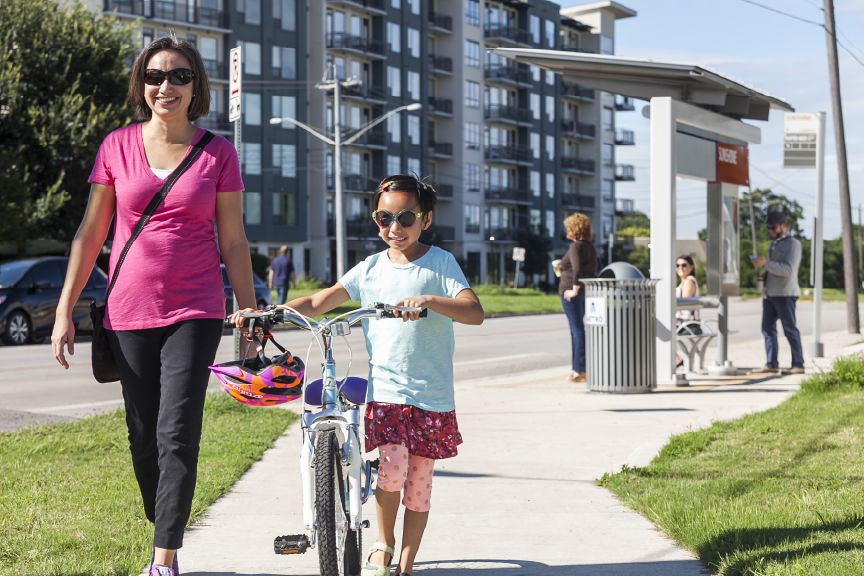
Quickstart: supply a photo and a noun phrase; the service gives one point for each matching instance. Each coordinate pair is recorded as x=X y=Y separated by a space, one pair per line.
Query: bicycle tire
x=329 y=502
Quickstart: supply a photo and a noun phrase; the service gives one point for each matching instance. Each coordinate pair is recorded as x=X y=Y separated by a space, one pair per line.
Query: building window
x=414 y=42
x=414 y=129
x=394 y=164
x=414 y=167
x=394 y=81
x=284 y=209
x=395 y=4
x=251 y=56
x=535 y=144
x=534 y=220
x=535 y=183
x=472 y=12
x=535 y=73
x=472 y=135
x=608 y=190
x=608 y=155
x=550 y=78
x=550 y=184
x=285 y=158
x=534 y=102
x=472 y=94
x=550 y=34
x=251 y=9
x=550 y=108
x=285 y=107
x=608 y=226
x=394 y=128
x=472 y=54
x=414 y=85
x=393 y=37
x=607 y=45
x=251 y=108
x=147 y=37
x=534 y=27
x=472 y=219
x=608 y=119
x=415 y=6
x=550 y=147
x=252 y=208
x=284 y=62
x=472 y=177
x=209 y=52
x=286 y=11
x=251 y=152
x=550 y=223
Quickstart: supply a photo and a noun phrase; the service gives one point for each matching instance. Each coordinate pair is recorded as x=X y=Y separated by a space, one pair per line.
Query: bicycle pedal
x=375 y=463
x=291 y=544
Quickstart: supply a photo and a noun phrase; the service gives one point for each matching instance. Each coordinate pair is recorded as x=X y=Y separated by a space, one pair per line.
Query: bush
x=846 y=373
x=260 y=265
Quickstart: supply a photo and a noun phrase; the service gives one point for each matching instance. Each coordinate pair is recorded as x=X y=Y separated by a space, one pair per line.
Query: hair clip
x=386 y=184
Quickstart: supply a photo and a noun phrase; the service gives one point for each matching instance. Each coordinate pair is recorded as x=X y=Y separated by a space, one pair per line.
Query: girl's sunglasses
x=406 y=218
x=177 y=77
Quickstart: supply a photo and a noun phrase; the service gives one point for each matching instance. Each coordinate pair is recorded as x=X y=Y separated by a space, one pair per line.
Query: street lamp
x=337 y=143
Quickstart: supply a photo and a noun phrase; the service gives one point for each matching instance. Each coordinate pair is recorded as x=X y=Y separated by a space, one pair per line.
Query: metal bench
x=694 y=336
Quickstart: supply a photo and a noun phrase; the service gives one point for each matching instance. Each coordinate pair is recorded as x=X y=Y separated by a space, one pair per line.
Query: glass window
x=534 y=220
x=608 y=119
x=394 y=128
x=251 y=207
x=251 y=152
x=535 y=144
x=535 y=106
x=607 y=45
x=284 y=107
x=251 y=108
x=608 y=226
x=472 y=177
x=472 y=94
x=550 y=184
x=394 y=165
x=550 y=147
x=286 y=11
x=414 y=129
x=253 y=11
x=251 y=55
x=146 y=37
x=534 y=180
x=472 y=54
x=284 y=62
x=550 y=34
x=535 y=73
x=414 y=167
x=415 y=6
x=414 y=42
x=284 y=208
x=608 y=154
x=550 y=78
x=472 y=135
x=608 y=190
x=472 y=218
x=208 y=49
x=394 y=81
x=550 y=108
x=550 y=223
x=414 y=85
x=394 y=37
x=534 y=27
x=472 y=12
x=285 y=158
x=395 y=4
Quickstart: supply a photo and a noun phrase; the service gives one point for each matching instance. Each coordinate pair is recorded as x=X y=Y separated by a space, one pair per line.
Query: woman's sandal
x=374 y=569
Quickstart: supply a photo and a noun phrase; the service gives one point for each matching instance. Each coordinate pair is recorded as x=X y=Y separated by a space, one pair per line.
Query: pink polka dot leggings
x=397 y=469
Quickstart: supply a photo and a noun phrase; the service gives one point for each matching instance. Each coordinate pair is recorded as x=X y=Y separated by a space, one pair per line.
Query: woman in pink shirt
x=164 y=314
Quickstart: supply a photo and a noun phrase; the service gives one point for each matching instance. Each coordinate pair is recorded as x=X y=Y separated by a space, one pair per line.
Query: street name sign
x=235 y=78
x=519 y=254
x=595 y=311
x=800 y=134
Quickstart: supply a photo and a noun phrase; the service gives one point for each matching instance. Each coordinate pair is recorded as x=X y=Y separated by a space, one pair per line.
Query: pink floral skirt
x=426 y=434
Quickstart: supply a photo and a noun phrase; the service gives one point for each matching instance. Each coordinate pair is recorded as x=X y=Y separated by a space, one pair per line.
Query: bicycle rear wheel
x=338 y=547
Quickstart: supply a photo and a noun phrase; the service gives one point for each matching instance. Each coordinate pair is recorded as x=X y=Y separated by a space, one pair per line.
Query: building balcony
x=508 y=114
x=577 y=165
x=507 y=35
x=447 y=233
x=624 y=207
x=508 y=195
x=575 y=129
x=472 y=228
x=173 y=11
x=502 y=234
x=624 y=103
x=509 y=154
x=440 y=64
x=215 y=122
x=363 y=92
x=361 y=229
x=440 y=23
x=577 y=201
x=376 y=7
x=440 y=149
x=440 y=106
x=356 y=44
x=573 y=90
x=356 y=183
x=624 y=173
x=216 y=70
x=372 y=139
x=445 y=191
x=624 y=138
x=572 y=48
x=506 y=74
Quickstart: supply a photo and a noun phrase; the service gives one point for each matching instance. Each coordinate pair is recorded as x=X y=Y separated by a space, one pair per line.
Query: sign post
x=235 y=107
x=804 y=147
x=518 y=257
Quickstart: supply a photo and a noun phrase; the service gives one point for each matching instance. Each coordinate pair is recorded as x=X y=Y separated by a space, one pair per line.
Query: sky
x=774 y=53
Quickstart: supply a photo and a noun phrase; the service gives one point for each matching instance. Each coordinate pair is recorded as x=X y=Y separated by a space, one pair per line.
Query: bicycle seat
x=354 y=390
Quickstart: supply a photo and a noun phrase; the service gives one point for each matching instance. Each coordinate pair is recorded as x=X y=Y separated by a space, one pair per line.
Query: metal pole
x=611 y=243
x=340 y=224
x=860 y=256
x=850 y=275
x=723 y=329
x=516 y=280
x=753 y=238
x=238 y=145
x=816 y=347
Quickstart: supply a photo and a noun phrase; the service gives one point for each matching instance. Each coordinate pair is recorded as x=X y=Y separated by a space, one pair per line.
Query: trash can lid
x=621 y=271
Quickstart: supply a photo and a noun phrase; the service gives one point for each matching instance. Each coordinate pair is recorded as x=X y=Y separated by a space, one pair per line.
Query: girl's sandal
x=374 y=569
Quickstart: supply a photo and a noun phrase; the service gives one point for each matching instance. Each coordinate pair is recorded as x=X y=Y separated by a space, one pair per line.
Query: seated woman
x=687 y=288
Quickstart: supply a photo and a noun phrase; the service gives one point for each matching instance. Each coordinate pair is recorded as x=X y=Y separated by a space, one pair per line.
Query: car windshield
x=256 y=280
x=11 y=272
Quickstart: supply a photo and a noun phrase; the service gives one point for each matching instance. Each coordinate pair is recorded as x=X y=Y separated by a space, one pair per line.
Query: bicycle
x=332 y=456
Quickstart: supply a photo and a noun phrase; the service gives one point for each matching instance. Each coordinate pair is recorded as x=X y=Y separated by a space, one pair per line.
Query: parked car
x=262 y=292
x=29 y=294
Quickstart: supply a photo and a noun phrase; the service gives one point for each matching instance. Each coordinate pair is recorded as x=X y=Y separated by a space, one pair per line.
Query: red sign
x=732 y=164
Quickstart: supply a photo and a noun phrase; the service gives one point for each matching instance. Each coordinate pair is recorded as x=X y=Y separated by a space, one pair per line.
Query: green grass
x=69 y=503
x=828 y=295
x=774 y=493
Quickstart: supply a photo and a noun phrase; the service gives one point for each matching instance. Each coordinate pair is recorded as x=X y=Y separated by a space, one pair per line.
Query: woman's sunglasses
x=177 y=77
x=406 y=218
x=685 y=265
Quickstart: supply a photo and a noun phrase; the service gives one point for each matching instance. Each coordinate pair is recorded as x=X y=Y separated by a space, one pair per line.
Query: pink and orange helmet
x=257 y=382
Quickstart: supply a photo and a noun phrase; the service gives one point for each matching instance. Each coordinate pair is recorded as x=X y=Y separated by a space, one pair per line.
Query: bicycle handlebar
x=278 y=315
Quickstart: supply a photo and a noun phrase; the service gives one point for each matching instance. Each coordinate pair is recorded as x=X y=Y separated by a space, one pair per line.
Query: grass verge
x=774 y=493
x=828 y=295
x=69 y=503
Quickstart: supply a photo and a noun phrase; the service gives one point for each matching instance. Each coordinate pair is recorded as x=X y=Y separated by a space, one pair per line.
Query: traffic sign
x=235 y=78
x=519 y=254
x=800 y=132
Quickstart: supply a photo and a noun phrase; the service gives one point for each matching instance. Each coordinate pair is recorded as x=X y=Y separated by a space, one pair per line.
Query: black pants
x=163 y=372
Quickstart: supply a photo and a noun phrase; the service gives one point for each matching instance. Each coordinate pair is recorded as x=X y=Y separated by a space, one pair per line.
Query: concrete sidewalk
x=520 y=499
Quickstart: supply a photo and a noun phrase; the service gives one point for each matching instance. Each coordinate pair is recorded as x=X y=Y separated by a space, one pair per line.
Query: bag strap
x=157 y=199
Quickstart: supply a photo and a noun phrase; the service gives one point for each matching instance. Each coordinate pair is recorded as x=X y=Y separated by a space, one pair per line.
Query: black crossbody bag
x=104 y=364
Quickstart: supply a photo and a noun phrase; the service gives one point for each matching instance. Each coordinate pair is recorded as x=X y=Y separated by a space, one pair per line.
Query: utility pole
x=860 y=259
x=850 y=274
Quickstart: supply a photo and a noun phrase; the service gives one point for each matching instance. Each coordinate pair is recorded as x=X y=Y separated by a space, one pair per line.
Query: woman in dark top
x=579 y=262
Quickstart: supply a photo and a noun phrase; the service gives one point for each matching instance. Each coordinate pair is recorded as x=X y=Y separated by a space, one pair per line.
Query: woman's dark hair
x=425 y=193
x=688 y=259
x=200 y=105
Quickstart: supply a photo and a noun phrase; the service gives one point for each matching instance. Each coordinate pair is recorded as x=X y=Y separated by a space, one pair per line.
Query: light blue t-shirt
x=409 y=362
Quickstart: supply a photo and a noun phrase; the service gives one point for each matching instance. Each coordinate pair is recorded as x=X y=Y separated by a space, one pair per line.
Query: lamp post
x=337 y=143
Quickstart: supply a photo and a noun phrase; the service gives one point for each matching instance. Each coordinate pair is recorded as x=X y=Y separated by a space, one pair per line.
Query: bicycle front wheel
x=338 y=553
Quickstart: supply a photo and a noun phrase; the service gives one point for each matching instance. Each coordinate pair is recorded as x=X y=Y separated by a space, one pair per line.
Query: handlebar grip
x=391 y=314
x=424 y=313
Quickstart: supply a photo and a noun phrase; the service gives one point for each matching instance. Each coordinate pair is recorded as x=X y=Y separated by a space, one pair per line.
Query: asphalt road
x=34 y=389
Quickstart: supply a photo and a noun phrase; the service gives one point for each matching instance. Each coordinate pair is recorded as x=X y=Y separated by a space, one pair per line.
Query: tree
x=638 y=220
x=63 y=79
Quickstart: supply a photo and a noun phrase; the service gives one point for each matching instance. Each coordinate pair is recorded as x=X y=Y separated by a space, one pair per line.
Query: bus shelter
x=697 y=132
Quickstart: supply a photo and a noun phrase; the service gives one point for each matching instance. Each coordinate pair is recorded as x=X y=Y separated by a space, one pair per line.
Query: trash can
x=620 y=331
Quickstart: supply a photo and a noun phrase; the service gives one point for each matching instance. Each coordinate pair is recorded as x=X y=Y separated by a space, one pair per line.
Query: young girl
x=410 y=411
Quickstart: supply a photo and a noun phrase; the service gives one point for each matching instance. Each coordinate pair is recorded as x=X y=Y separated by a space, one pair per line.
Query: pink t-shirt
x=171 y=272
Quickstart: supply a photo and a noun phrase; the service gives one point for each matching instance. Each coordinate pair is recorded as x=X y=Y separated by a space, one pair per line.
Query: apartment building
x=510 y=147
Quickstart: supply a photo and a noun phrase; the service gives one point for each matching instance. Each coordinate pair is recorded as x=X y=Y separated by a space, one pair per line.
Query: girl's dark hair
x=688 y=259
x=425 y=193
x=200 y=105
